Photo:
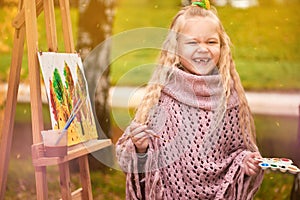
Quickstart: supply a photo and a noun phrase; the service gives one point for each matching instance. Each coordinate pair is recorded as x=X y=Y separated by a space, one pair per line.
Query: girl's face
x=199 y=45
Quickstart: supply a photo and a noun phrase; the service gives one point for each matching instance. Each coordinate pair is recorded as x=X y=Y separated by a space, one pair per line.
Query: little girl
x=193 y=135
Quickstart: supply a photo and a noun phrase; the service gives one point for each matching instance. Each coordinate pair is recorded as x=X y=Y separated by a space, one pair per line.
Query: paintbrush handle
x=69 y=122
x=152 y=133
x=60 y=137
x=65 y=128
x=73 y=111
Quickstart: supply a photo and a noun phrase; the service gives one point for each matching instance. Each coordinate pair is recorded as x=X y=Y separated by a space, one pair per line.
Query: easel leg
x=65 y=181
x=10 y=108
x=67 y=25
x=42 y=187
x=85 y=178
x=35 y=91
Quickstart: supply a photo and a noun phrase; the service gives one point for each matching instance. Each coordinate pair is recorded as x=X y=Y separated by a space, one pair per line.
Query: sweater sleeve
x=127 y=155
x=236 y=184
x=132 y=164
x=125 y=151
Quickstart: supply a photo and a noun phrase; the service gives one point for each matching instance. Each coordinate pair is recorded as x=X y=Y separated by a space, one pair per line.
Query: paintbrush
x=72 y=116
x=150 y=132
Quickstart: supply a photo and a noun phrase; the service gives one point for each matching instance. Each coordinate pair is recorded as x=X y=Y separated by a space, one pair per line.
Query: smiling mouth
x=201 y=60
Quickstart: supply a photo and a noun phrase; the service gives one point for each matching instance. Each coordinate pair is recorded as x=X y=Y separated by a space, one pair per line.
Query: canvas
x=66 y=86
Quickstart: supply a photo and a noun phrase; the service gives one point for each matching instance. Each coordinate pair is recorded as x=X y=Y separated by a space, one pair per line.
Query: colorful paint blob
x=283 y=164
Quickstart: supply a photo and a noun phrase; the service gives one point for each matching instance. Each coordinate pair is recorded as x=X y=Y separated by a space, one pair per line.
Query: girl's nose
x=201 y=48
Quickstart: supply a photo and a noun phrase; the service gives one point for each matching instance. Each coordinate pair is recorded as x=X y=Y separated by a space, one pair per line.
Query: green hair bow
x=202 y=3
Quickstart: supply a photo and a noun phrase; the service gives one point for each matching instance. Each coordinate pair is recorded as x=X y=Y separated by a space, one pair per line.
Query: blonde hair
x=226 y=67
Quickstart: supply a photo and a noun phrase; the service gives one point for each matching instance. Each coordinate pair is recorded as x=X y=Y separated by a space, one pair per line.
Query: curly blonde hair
x=226 y=67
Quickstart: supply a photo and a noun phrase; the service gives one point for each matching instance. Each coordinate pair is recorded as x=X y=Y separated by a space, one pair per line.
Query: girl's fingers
x=139 y=136
x=257 y=157
x=141 y=142
x=137 y=129
x=134 y=125
x=254 y=167
x=152 y=133
x=251 y=164
x=251 y=172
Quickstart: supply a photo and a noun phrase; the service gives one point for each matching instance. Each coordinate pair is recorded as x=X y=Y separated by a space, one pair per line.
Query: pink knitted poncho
x=200 y=151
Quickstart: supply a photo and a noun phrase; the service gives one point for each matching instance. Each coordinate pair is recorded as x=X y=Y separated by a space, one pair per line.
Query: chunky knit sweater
x=200 y=151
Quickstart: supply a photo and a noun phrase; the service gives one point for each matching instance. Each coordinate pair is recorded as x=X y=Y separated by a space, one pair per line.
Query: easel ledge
x=76 y=151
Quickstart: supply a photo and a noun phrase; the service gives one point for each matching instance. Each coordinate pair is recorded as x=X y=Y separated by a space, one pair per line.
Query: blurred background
x=266 y=49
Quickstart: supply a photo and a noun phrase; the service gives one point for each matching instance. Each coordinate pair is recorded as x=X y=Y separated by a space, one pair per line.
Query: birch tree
x=94 y=27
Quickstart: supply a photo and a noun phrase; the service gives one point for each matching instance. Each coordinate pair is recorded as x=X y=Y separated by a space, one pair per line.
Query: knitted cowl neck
x=205 y=92
x=200 y=151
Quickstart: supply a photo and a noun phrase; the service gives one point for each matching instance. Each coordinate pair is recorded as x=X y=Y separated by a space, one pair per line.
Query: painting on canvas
x=66 y=88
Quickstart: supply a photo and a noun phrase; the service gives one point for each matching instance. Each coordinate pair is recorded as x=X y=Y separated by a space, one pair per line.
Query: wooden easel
x=25 y=23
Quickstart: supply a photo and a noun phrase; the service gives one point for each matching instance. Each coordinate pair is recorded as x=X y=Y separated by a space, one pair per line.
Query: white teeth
x=201 y=60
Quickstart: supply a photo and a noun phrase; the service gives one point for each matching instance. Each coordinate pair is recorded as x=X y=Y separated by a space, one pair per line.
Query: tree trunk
x=95 y=26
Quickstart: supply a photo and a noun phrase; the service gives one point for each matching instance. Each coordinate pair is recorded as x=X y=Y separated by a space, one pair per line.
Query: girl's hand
x=251 y=165
x=139 y=137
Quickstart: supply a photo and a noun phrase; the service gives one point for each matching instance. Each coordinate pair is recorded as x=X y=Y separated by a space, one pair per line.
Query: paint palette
x=281 y=164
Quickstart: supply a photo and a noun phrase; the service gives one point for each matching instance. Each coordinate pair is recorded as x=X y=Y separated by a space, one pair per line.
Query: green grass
x=264 y=33
x=109 y=185
x=21 y=182
x=269 y=75
x=275 y=186
x=133 y=69
x=23 y=113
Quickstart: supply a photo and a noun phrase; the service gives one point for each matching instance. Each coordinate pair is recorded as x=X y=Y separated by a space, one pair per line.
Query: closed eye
x=213 y=42
x=191 y=42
